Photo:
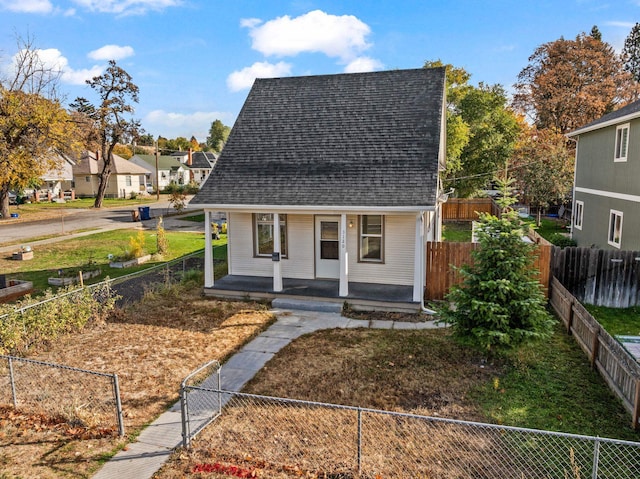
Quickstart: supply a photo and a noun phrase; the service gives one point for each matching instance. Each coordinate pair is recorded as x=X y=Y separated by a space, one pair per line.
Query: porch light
x=350 y=223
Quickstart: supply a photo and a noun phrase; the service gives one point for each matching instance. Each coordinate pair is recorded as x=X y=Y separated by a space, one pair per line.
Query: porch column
x=419 y=259
x=344 y=258
x=277 y=264
x=208 y=251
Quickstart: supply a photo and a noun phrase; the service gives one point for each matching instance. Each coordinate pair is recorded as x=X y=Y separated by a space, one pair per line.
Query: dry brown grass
x=419 y=372
x=152 y=346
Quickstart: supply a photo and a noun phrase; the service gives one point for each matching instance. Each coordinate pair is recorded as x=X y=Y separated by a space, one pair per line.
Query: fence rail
x=616 y=365
x=342 y=441
x=468 y=209
x=443 y=259
x=85 y=398
x=601 y=277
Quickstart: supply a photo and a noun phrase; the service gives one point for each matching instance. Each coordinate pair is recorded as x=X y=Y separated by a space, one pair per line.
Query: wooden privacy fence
x=467 y=209
x=619 y=368
x=444 y=257
x=601 y=277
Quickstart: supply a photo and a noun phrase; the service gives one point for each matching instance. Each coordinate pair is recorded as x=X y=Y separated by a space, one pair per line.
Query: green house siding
x=603 y=184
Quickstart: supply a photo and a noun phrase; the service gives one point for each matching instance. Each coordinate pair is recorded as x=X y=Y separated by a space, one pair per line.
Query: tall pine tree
x=631 y=52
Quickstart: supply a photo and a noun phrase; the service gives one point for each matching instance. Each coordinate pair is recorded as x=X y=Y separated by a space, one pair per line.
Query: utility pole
x=157 y=175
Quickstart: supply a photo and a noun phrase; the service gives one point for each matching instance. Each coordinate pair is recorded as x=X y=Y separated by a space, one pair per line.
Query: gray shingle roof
x=632 y=109
x=200 y=160
x=365 y=139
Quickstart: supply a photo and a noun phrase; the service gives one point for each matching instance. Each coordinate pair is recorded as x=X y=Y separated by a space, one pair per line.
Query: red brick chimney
x=189 y=159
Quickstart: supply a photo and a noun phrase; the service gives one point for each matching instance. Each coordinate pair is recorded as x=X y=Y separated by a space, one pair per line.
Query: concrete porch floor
x=362 y=296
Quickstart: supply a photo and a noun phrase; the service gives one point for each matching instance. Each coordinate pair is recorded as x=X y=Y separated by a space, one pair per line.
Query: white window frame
x=364 y=237
x=622 y=143
x=266 y=219
x=128 y=181
x=615 y=227
x=578 y=215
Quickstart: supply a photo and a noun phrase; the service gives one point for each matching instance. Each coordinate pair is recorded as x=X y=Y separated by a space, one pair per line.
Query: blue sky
x=194 y=60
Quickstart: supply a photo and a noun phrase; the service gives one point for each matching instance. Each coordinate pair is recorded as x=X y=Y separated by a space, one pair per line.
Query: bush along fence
x=326 y=440
x=618 y=368
x=601 y=277
x=79 y=397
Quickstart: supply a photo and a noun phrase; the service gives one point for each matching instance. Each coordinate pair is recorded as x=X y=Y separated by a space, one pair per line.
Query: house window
x=127 y=180
x=371 y=238
x=87 y=179
x=615 y=228
x=578 y=214
x=263 y=232
x=622 y=142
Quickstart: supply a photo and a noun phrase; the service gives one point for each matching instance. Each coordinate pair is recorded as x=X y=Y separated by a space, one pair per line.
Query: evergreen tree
x=631 y=52
x=595 y=33
x=500 y=304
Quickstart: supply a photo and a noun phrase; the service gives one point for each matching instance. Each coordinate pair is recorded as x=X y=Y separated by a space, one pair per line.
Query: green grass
x=457 y=231
x=617 y=321
x=196 y=218
x=550 y=385
x=83 y=203
x=548 y=227
x=78 y=252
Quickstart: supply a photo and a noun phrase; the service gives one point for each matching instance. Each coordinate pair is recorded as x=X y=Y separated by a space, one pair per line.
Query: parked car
x=13 y=199
x=150 y=188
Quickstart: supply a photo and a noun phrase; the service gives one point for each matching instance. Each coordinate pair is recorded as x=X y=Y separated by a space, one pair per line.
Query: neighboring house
x=201 y=163
x=170 y=170
x=126 y=177
x=56 y=182
x=606 y=197
x=332 y=177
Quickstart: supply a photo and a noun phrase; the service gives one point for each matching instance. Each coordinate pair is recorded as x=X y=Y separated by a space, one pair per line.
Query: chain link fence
x=82 y=398
x=337 y=441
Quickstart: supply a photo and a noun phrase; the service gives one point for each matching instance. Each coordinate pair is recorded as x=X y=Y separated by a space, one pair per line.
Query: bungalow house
x=170 y=170
x=330 y=186
x=200 y=164
x=606 y=193
x=56 y=183
x=126 y=178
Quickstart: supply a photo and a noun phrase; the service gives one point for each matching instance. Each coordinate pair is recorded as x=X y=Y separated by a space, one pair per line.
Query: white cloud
x=127 y=7
x=250 y=22
x=111 y=52
x=363 y=64
x=53 y=59
x=243 y=79
x=342 y=37
x=27 y=6
x=173 y=125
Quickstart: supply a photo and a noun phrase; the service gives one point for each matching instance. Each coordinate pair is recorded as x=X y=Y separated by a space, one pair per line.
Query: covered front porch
x=362 y=296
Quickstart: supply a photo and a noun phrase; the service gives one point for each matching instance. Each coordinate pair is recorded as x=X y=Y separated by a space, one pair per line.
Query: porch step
x=305 y=305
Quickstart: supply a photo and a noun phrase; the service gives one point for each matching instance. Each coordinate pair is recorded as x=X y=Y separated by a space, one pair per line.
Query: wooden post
x=636 y=407
x=81 y=279
x=594 y=348
x=570 y=318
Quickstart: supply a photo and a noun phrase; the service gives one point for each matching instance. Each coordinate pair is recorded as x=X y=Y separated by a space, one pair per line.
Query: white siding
x=399 y=237
x=299 y=263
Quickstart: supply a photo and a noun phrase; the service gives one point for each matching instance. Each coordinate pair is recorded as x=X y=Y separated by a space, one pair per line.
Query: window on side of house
x=127 y=180
x=371 y=238
x=622 y=142
x=263 y=229
x=578 y=214
x=615 y=228
x=87 y=179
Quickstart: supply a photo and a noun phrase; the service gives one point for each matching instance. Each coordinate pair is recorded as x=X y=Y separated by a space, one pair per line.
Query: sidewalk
x=157 y=441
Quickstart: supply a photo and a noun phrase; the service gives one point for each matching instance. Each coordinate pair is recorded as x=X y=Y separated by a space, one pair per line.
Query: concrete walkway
x=157 y=441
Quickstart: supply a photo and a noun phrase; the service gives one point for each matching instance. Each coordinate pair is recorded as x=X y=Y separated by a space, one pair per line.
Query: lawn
x=151 y=346
x=617 y=321
x=93 y=251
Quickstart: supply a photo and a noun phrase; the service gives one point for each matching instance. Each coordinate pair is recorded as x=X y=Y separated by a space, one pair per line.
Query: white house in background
x=126 y=177
x=55 y=182
x=170 y=170
x=332 y=179
x=201 y=163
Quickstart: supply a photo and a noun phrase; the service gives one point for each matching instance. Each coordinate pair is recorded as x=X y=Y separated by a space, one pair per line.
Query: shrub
x=24 y=329
x=561 y=240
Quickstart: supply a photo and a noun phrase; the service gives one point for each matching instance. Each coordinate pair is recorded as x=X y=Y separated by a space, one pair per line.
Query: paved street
x=73 y=221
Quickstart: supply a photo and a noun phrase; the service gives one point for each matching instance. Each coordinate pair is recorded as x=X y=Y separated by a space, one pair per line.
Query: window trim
x=611 y=231
x=362 y=235
x=283 y=226
x=578 y=215
x=617 y=152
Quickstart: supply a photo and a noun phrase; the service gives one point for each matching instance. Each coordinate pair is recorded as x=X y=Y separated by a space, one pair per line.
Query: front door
x=328 y=247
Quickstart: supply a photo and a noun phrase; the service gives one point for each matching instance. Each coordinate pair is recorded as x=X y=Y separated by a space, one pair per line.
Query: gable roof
x=626 y=113
x=364 y=139
x=88 y=165
x=165 y=162
x=202 y=160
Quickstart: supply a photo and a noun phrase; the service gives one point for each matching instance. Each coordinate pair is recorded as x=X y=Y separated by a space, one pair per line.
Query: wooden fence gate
x=444 y=257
